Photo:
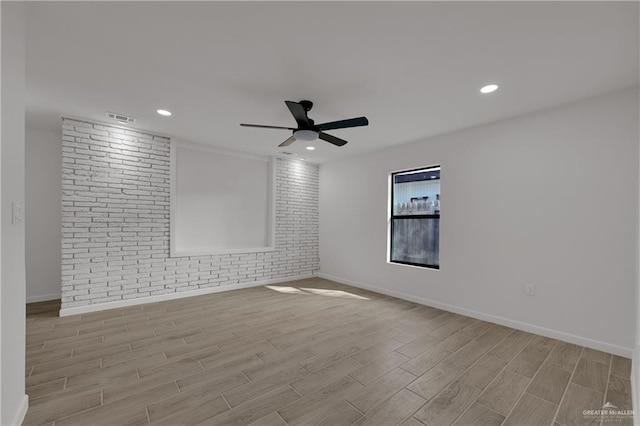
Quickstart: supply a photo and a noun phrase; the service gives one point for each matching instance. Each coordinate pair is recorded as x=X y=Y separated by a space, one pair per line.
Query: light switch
x=16 y=213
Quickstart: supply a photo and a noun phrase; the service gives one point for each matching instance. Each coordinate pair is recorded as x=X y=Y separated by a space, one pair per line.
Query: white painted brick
x=115 y=207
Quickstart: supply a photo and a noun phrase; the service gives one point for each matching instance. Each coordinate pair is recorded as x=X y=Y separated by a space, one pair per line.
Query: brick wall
x=115 y=222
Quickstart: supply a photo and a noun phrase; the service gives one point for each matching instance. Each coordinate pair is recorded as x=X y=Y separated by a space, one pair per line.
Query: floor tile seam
x=586 y=387
x=225 y=401
x=278 y=414
x=80 y=341
x=489 y=350
x=488 y=408
x=294 y=389
x=364 y=365
x=477 y=361
x=599 y=362
x=502 y=372
x=619 y=376
x=564 y=394
x=356 y=408
x=475 y=401
x=358 y=381
x=494 y=325
x=541 y=399
x=418 y=420
x=167 y=397
x=467 y=369
x=562 y=368
x=79 y=412
x=447 y=360
x=388 y=398
x=532 y=380
x=606 y=388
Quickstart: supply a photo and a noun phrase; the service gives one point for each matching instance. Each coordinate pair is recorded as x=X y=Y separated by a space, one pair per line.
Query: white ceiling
x=414 y=69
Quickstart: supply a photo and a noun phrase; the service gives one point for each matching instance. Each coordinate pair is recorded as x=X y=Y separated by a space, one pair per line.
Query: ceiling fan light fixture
x=305 y=135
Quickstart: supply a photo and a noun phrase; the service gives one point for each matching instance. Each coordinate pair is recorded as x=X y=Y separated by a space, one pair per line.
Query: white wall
x=42 y=213
x=635 y=365
x=13 y=401
x=549 y=198
x=221 y=201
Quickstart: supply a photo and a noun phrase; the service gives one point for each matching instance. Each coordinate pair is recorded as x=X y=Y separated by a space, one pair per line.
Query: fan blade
x=331 y=139
x=299 y=114
x=288 y=141
x=341 y=124
x=266 y=127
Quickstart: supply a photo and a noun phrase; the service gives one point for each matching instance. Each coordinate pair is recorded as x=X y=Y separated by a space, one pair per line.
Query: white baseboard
x=43 y=298
x=18 y=418
x=531 y=328
x=76 y=310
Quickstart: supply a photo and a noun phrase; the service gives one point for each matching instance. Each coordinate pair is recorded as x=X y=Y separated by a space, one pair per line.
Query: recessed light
x=164 y=112
x=310 y=148
x=489 y=88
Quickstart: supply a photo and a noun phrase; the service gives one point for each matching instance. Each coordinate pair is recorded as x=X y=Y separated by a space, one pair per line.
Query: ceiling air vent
x=121 y=118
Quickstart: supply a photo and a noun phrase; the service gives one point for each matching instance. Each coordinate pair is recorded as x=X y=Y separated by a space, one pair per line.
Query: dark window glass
x=415 y=217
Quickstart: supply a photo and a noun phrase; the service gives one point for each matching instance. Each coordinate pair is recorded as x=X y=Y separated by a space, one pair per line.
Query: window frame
x=393 y=217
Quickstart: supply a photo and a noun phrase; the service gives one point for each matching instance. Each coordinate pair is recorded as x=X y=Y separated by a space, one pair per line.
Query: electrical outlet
x=16 y=212
x=530 y=289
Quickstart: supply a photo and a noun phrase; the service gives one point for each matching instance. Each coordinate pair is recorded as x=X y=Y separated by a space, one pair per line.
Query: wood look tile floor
x=308 y=352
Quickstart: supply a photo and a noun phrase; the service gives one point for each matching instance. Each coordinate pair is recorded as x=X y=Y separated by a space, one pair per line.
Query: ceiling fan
x=307 y=130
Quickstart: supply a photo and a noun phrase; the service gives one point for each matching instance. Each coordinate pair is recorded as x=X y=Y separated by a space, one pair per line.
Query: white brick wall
x=115 y=222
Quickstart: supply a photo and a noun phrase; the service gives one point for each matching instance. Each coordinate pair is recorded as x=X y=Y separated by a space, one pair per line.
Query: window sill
x=217 y=252
x=414 y=265
x=416 y=216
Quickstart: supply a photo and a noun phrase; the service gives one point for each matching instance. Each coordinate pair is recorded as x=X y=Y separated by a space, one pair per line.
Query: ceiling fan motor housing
x=306 y=105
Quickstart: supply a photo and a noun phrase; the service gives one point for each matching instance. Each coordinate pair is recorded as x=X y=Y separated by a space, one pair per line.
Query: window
x=415 y=217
